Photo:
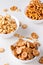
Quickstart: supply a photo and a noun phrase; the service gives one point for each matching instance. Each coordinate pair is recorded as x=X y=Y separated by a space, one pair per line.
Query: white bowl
x=35 y=21
x=31 y=20
x=12 y=33
x=23 y=61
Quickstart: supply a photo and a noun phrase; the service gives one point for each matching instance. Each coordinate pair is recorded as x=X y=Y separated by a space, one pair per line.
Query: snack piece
x=2 y=50
x=28 y=44
x=6 y=64
x=36 y=45
x=5 y=10
x=23 y=47
x=31 y=45
x=34 y=35
x=35 y=10
x=7 y=24
x=35 y=52
x=20 y=57
x=30 y=56
x=20 y=42
x=41 y=60
x=16 y=35
x=13 y=8
x=12 y=47
x=18 y=50
x=28 y=50
x=24 y=54
x=8 y=17
x=14 y=52
x=24 y=26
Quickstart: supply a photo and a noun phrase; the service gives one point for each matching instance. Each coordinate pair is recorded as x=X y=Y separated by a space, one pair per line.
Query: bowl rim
x=34 y=21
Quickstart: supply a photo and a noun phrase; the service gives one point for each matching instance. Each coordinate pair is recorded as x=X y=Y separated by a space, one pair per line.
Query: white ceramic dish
x=35 y=21
x=12 y=33
x=24 y=61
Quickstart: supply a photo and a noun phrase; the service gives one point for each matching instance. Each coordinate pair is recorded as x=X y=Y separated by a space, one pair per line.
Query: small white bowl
x=31 y=20
x=23 y=61
x=12 y=33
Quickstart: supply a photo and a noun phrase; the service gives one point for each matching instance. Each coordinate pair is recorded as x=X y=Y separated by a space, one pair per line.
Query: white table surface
x=5 y=43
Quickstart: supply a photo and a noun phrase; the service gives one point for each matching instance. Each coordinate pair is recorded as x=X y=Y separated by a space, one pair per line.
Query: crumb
x=5 y=10
x=2 y=50
x=24 y=26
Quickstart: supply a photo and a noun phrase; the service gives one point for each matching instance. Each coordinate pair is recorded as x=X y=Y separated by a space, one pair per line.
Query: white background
x=6 y=57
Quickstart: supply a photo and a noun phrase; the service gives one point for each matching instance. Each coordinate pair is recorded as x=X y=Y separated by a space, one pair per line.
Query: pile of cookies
x=7 y=24
x=35 y=10
x=25 y=50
